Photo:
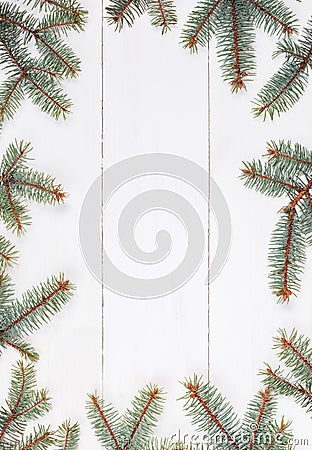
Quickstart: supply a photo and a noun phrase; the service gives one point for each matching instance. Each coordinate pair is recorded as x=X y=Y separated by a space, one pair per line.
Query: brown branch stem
x=66 y=438
x=238 y=81
x=16 y=216
x=165 y=25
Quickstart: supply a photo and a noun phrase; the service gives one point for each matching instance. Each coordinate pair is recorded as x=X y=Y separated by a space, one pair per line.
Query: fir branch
x=202 y=23
x=235 y=40
x=133 y=429
x=24 y=349
x=163 y=14
x=274 y=17
x=67 y=436
x=278 y=430
x=32 y=76
x=306 y=219
x=21 y=318
x=6 y=291
x=104 y=420
x=16 y=157
x=288 y=172
x=37 y=306
x=124 y=12
x=39 y=400
x=287 y=86
x=73 y=7
x=233 y=24
x=18 y=182
x=267 y=179
x=295 y=349
x=14 y=212
x=142 y=417
x=261 y=412
x=26 y=404
x=289 y=49
x=285 y=387
x=210 y=412
x=283 y=155
x=213 y=415
x=13 y=208
x=286 y=255
x=8 y=255
x=295 y=352
x=38 y=439
x=239 y=75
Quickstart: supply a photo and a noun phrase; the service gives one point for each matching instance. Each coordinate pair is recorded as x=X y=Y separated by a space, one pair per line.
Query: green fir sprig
x=132 y=430
x=20 y=318
x=35 y=56
x=8 y=254
x=294 y=351
x=19 y=182
x=287 y=173
x=233 y=24
x=288 y=84
x=212 y=415
x=26 y=404
x=124 y=12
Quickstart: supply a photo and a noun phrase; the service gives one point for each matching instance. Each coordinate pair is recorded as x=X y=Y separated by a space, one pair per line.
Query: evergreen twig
x=19 y=182
x=8 y=254
x=288 y=84
x=37 y=73
x=288 y=172
x=213 y=415
x=233 y=23
x=20 y=318
x=26 y=404
x=124 y=12
x=294 y=351
x=132 y=430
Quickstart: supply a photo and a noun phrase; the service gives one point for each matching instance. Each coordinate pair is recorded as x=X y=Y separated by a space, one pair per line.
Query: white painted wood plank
x=244 y=313
x=155 y=102
x=69 y=347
